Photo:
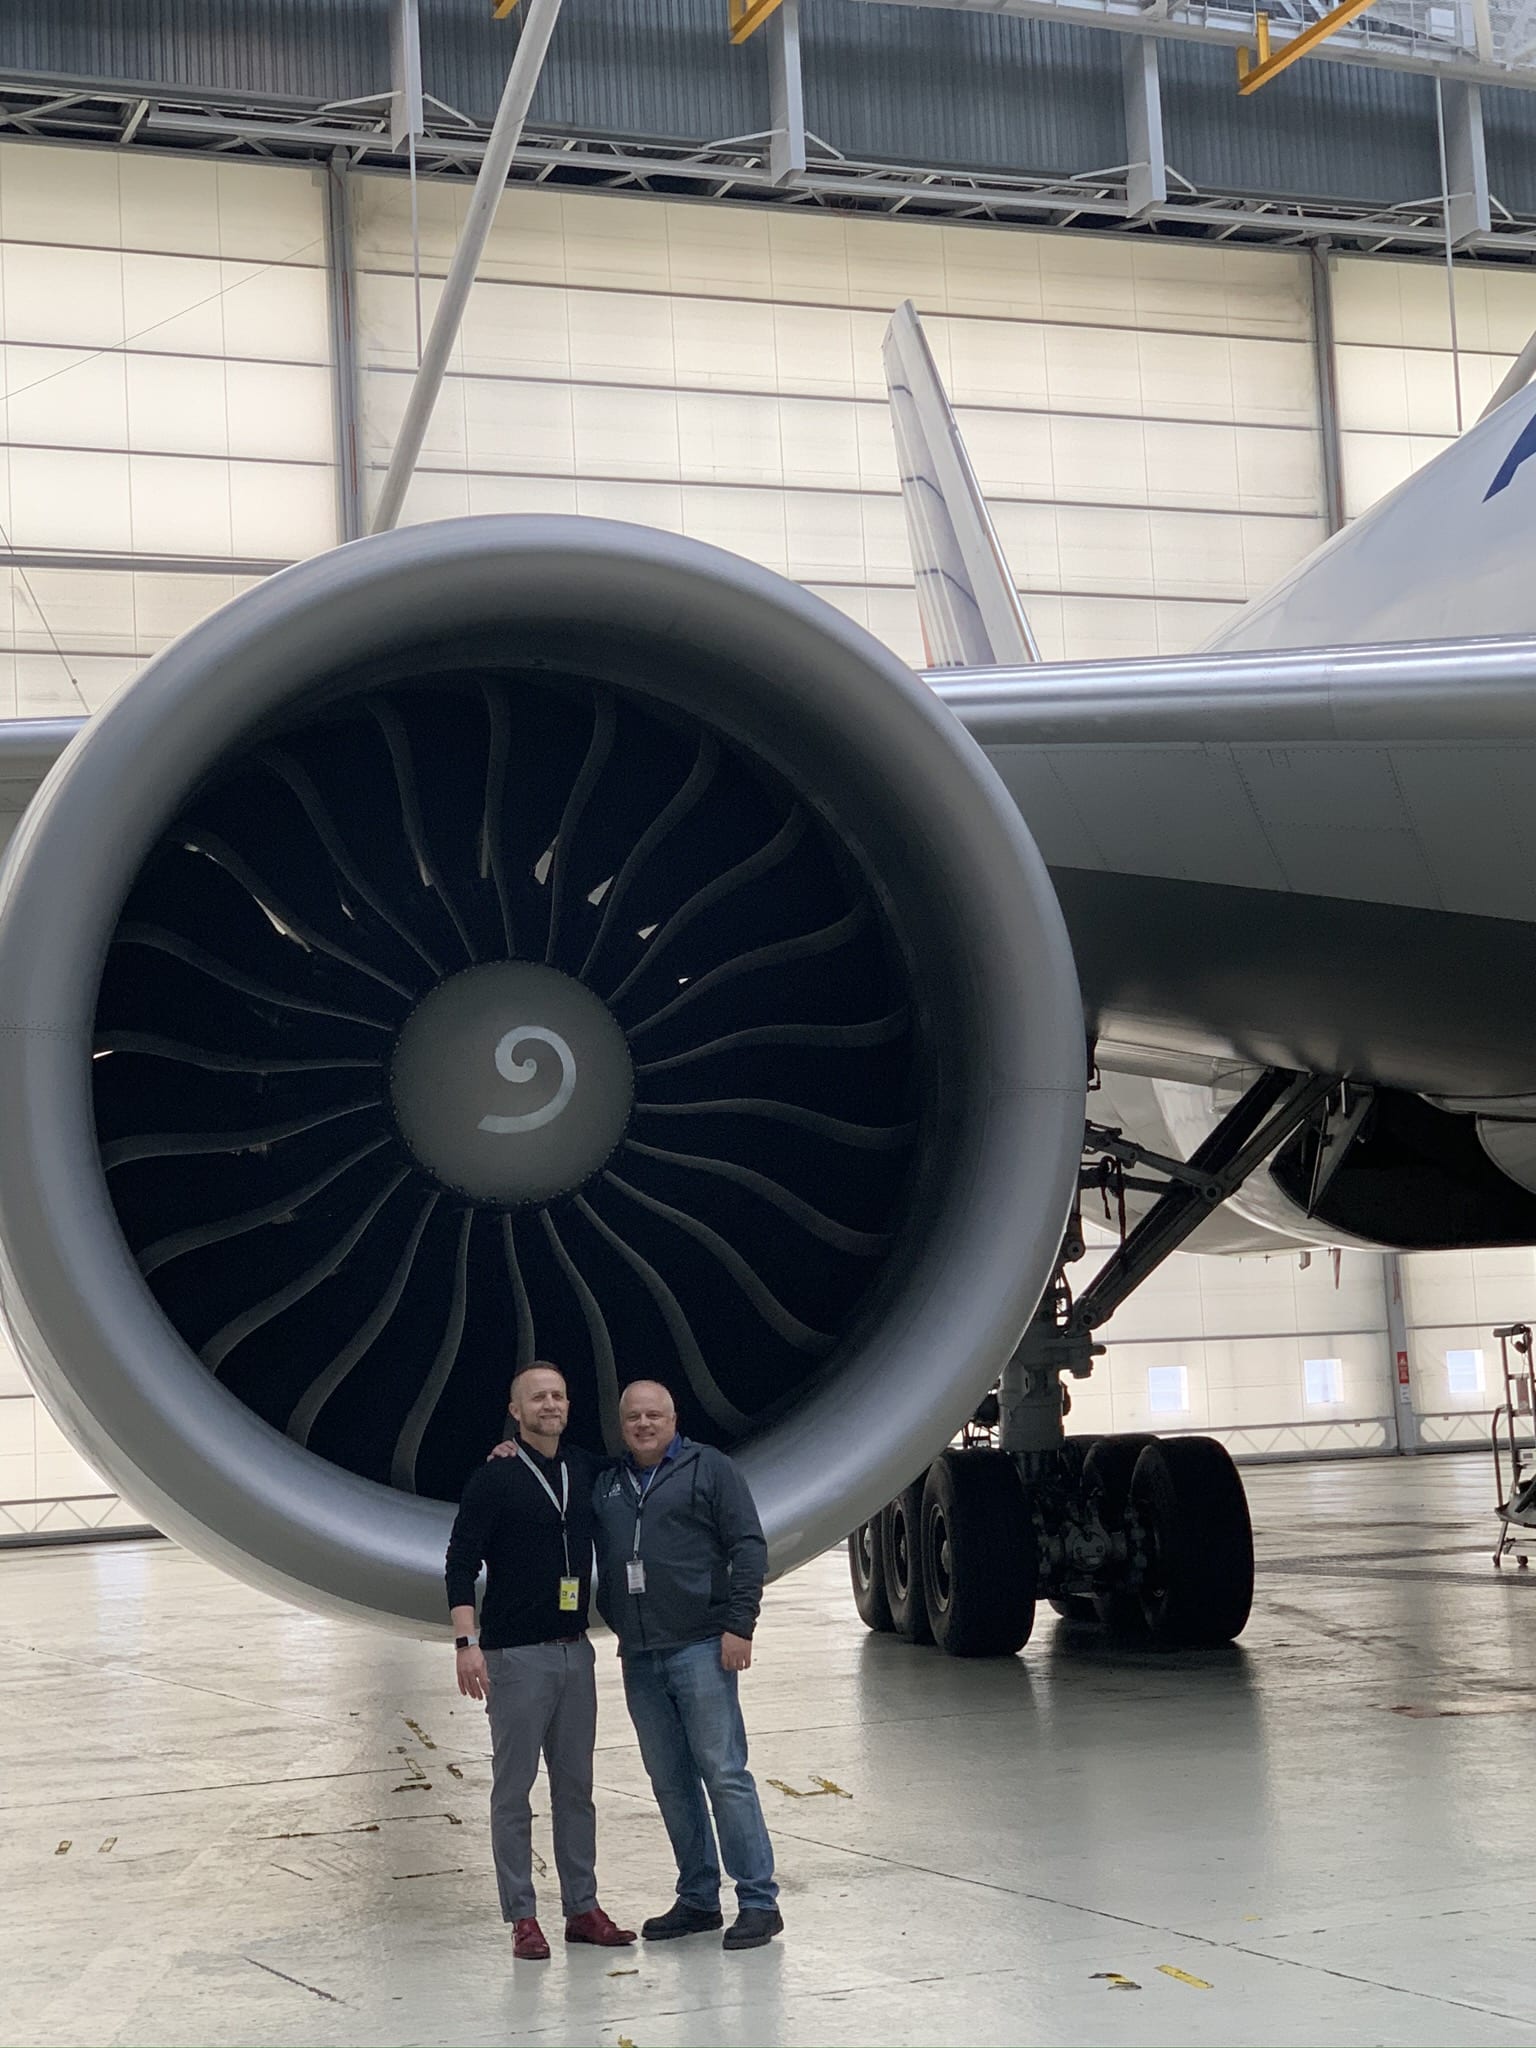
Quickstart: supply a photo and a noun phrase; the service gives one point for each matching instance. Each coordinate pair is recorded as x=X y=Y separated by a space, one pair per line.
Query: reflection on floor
x=226 y=1822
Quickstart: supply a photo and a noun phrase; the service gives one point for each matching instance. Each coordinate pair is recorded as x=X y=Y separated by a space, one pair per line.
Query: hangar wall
x=1143 y=416
x=1223 y=1346
x=1396 y=374
x=165 y=406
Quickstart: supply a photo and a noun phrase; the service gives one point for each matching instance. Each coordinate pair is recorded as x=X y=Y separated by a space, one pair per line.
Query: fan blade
x=722 y=1412
x=863 y=1244
x=604 y=721
x=149 y=1045
x=598 y=1332
x=154 y=1256
x=399 y=746
x=193 y=1144
x=306 y=1412
x=277 y=913
x=686 y=799
x=235 y=978
x=235 y=1332
x=769 y=1307
x=806 y=946
x=867 y=1137
x=402 y=1469
x=288 y=771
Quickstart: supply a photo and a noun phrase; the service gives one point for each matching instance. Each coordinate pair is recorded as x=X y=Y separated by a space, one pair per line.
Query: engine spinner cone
x=511 y=1083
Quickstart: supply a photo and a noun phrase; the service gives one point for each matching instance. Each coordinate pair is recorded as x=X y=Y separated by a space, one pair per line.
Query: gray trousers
x=543 y=1697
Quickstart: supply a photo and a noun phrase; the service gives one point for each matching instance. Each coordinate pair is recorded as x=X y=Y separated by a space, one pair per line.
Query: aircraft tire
x=1189 y=1497
x=901 y=1564
x=1074 y=1455
x=866 y=1568
x=978 y=1553
x=1107 y=1470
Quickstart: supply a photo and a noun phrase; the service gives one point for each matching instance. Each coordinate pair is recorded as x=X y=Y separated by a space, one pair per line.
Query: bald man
x=681 y=1562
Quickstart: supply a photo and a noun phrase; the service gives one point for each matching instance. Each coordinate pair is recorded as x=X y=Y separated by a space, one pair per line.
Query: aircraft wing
x=28 y=749
x=1298 y=859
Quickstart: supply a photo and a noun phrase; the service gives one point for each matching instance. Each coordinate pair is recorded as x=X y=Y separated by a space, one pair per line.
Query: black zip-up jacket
x=505 y=1522
x=702 y=1545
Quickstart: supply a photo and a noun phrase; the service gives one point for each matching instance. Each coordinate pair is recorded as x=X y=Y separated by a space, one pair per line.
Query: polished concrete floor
x=227 y=1822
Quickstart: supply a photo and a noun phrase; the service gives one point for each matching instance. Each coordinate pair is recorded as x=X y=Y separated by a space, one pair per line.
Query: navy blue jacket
x=701 y=1543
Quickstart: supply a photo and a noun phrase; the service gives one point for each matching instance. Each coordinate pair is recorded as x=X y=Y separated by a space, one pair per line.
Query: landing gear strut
x=1141 y=1534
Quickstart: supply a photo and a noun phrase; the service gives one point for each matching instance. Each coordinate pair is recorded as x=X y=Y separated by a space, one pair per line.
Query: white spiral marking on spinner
x=511 y=1068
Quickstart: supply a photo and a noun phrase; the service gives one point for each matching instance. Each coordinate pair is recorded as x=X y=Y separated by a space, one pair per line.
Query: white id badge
x=569 y=1591
x=634 y=1574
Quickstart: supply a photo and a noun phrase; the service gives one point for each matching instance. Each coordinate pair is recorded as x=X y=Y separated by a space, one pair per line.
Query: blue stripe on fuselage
x=1525 y=446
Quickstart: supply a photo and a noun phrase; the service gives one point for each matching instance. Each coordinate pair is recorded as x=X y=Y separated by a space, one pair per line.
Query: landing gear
x=866 y=1568
x=1107 y=1472
x=1146 y=1535
x=978 y=1555
x=902 y=1564
x=1197 y=1583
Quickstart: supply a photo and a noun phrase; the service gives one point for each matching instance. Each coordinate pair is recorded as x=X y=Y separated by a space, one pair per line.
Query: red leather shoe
x=528 y=1943
x=595 y=1926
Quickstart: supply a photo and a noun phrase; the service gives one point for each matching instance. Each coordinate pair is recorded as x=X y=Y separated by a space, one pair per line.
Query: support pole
x=1146 y=184
x=1471 y=209
x=500 y=149
x=786 y=85
x=341 y=281
x=1450 y=248
x=1403 y=1414
x=405 y=96
x=1327 y=387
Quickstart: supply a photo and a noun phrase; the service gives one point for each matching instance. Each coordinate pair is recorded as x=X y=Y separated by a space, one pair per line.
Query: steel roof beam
x=1365 y=43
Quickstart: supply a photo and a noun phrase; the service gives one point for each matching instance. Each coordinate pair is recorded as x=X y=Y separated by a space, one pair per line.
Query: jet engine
x=516 y=938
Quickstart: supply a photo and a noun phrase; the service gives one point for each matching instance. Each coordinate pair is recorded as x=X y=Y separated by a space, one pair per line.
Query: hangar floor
x=228 y=1822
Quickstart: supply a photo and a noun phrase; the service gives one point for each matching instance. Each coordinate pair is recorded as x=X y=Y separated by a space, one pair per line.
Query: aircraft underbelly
x=1423 y=1000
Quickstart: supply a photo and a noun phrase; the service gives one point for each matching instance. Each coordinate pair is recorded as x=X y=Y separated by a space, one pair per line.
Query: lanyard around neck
x=561 y=1505
x=641 y=1493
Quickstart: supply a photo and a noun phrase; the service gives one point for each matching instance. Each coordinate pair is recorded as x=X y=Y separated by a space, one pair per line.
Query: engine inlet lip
x=856 y=734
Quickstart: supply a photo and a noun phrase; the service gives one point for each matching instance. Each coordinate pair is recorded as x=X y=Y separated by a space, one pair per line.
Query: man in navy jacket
x=681 y=1563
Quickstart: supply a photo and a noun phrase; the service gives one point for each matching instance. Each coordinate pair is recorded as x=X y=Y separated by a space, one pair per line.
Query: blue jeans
x=693 y=1741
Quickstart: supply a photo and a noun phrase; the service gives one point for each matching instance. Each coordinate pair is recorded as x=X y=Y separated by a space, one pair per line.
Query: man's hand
x=735 y=1652
x=505 y=1449
x=473 y=1680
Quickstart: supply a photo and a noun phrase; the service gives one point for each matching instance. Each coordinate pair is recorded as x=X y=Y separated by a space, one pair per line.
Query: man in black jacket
x=681 y=1562
x=528 y=1519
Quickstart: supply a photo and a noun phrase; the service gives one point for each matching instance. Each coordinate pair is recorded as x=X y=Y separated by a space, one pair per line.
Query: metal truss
x=740 y=168
x=70 y=1518
x=1480 y=42
x=1256 y=1442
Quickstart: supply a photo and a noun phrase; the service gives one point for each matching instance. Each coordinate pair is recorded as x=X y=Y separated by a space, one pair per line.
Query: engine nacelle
x=511 y=938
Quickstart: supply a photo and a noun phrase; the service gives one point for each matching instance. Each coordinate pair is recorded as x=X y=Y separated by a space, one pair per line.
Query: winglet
x=967 y=600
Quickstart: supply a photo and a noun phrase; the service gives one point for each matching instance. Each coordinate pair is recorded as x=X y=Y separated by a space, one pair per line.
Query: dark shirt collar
x=666 y=1457
x=550 y=1464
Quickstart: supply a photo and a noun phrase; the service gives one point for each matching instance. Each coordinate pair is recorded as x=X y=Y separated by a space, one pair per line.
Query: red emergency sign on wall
x=1402 y=1368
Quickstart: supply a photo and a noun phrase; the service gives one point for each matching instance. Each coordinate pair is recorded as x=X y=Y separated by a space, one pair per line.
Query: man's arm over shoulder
x=587 y=1467
x=741 y=1538
x=471 y=1531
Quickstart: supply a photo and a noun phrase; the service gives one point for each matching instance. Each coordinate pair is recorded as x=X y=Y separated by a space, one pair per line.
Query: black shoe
x=754 y=1927
x=680 y=1919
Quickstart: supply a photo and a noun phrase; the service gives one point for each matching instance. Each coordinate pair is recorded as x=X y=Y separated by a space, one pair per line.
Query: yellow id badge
x=570 y=1590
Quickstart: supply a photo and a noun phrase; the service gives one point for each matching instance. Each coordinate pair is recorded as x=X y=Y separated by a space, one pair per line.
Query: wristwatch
x=465 y=1642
